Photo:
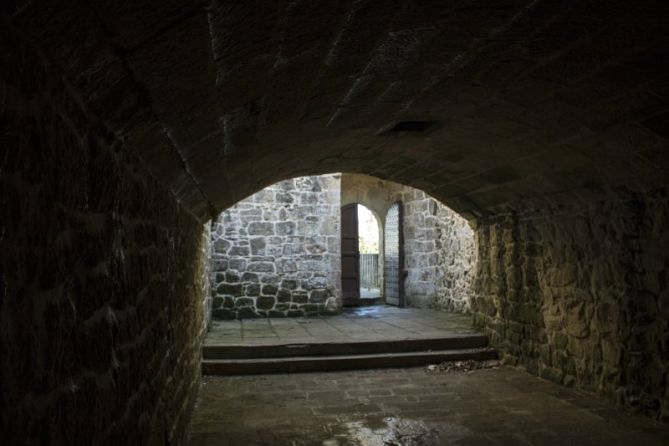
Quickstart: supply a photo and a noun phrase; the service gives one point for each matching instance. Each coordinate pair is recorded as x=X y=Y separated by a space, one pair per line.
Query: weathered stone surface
x=421 y=403
x=260 y=228
x=562 y=293
x=319 y=296
x=285 y=228
x=258 y=245
x=102 y=274
x=269 y=290
x=440 y=254
x=543 y=105
x=251 y=289
x=265 y=302
x=263 y=244
x=228 y=288
x=261 y=267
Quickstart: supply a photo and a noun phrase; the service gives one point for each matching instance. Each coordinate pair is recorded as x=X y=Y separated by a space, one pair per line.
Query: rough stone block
x=318 y=296
x=237 y=264
x=289 y=284
x=229 y=288
x=251 y=289
x=285 y=228
x=269 y=290
x=300 y=297
x=239 y=251
x=250 y=277
x=221 y=246
x=258 y=245
x=261 y=267
x=261 y=228
x=284 y=296
x=265 y=302
x=244 y=302
x=231 y=277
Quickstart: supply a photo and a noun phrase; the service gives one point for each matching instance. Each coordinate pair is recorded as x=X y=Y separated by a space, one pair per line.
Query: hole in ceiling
x=411 y=126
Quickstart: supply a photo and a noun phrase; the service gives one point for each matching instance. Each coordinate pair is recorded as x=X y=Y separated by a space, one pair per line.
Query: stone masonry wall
x=207 y=250
x=440 y=254
x=580 y=296
x=101 y=315
x=277 y=253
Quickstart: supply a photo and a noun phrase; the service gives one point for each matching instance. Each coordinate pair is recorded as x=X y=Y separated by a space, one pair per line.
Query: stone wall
x=264 y=264
x=101 y=311
x=207 y=252
x=375 y=194
x=580 y=296
x=440 y=254
x=456 y=260
x=277 y=253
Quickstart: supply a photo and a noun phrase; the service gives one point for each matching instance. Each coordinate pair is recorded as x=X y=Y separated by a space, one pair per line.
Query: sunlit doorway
x=368 y=245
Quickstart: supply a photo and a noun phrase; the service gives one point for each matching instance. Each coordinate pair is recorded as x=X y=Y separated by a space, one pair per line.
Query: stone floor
x=370 y=293
x=409 y=407
x=354 y=324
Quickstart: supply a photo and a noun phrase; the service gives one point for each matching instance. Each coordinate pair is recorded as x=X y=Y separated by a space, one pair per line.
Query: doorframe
x=350 y=301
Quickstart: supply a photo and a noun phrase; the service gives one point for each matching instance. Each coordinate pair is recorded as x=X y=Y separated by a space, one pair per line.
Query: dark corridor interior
x=127 y=126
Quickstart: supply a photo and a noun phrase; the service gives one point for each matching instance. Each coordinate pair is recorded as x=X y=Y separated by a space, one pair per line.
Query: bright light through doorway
x=368 y=244
x=368 y=231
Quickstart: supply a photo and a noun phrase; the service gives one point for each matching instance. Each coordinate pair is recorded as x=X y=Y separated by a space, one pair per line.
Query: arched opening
x=360 y=256
x=310 y=245
x=369 y=245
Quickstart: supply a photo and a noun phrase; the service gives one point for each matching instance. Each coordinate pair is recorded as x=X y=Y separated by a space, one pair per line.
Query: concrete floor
x=409 y=407
x=354 y=324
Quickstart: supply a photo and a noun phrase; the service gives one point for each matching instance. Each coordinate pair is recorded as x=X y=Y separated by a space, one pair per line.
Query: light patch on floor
x=410 y=407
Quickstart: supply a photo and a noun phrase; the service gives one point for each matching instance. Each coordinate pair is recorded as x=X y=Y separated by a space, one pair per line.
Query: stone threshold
x=314 y=347
x=303 y=364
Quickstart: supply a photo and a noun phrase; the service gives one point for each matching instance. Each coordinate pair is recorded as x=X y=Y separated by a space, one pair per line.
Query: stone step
x=370 y=301
x=251 y=351
x=297 y=364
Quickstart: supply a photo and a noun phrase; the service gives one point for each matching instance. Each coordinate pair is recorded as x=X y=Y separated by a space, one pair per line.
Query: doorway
x=360 y=255
x=368 y=246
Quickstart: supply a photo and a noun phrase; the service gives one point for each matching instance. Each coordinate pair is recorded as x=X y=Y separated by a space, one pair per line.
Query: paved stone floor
x=409 y=407
x=370 y=293
x=354 y=324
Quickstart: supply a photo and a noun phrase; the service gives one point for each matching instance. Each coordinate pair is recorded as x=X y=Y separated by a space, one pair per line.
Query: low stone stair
x=239 y=359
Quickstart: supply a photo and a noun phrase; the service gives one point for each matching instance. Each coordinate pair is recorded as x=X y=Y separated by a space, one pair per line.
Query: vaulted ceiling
x=510 y=103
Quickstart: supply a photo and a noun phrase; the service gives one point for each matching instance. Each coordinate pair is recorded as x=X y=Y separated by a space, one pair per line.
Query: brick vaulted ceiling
x=533 y=102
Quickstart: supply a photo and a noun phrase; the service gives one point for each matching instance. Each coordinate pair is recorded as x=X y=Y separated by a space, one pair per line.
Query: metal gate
x=393 y=256
x=369 y=271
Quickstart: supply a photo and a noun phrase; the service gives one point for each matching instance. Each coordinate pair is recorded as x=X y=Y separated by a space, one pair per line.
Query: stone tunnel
x=125 y=127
